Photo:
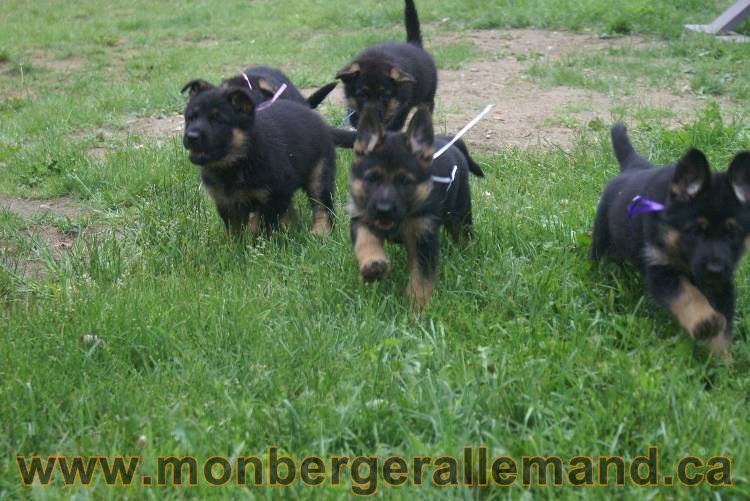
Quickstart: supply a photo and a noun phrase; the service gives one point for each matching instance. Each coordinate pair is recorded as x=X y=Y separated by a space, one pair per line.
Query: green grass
x=217 y=348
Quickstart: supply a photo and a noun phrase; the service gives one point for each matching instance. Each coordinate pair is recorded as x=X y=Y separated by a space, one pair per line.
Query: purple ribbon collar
x=641 y=205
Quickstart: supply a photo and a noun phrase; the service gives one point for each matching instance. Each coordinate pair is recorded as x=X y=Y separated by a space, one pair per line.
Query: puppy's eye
x=403 y=180
x=731 y=228
x=372 y=176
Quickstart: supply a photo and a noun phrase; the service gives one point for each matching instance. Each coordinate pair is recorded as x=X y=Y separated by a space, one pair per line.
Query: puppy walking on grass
x=399 y=193
x=392 y=77
x=253 y=161
x=685 y=228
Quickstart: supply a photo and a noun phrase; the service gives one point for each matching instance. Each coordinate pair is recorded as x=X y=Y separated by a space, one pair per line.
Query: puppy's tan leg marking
x=695 y=313
x=321 y=222
x=321 y=225
x=253 y=224
x=290 y=217
x=373 y=263
x=719 y=346
x=420 y=287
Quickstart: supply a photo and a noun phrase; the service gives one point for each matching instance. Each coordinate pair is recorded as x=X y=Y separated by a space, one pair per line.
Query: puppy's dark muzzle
x=195 y=142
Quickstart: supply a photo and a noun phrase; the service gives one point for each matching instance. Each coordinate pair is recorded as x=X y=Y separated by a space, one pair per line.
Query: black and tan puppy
x=252 y=162
x=399 y=193
x=392 y=77
x=685 y=235
x=266 y=81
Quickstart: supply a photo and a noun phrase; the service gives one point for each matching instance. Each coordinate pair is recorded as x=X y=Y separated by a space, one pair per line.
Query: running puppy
x=685 y=234
x=399 y=193
x=393 y=77
x=254 y=157
x=267 y=81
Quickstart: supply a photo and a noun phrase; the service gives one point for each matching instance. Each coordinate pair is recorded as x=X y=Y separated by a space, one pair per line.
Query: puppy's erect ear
x=266 y=87
x=739 y=176
x=401 y=76
x=241 y=100
x=370 y=132
x=195 y=87
x=421 y=137
x=692 y=176
x=348 y=72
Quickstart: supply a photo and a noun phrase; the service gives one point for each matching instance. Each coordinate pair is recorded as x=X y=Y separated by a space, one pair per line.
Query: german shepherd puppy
x=394 y=196
x=688 y=244
x=267 y=81
x=393 y=77
x=252 y=163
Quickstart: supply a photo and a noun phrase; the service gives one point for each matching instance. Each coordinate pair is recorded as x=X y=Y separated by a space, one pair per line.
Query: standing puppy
x=267 y=81
x=398 y=193
x=252 y=162
x=685 y=234
x=392 y=77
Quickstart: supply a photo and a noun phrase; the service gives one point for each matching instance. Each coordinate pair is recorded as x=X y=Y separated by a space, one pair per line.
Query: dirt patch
x=527 y=115
x=540 y=43
x=72 y=63
x=60 y=207
x=155 y=127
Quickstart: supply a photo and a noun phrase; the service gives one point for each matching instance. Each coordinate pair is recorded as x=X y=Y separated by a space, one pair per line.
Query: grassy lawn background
x=213 y=348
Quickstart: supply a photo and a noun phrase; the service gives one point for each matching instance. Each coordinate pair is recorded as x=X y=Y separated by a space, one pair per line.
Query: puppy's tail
x=319 y=95
x=413 y=31
x=624 y=151
x=343 y=138
x=473 y=166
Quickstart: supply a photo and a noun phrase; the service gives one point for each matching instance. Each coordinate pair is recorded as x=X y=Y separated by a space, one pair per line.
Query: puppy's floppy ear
x=692 y=176
x=266 y=87
x=370 y=132
x=421 y=137
x=241 y=100
x=401 y=76
x=739 y=176
x=348 y=72
x=195 y=87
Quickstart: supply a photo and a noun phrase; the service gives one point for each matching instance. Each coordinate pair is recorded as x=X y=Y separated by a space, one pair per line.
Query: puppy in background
x=267 y=81
x=392 y=77
x=399 y=193
x=252 y=160
x=685 y=228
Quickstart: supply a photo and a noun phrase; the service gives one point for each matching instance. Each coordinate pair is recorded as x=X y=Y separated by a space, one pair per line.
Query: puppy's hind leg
x=600 y=234
x=319 y=190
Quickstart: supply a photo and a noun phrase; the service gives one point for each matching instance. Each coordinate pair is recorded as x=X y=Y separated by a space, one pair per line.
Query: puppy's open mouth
x=384 y=224
x=197 y=155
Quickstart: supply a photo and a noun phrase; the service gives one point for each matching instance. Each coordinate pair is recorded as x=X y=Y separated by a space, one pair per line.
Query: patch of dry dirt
x=61 y=207
x=57 y=241
x=72 y=63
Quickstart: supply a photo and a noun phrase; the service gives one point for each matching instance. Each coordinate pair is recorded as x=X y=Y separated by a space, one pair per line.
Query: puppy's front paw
x=713 y=326
x=374 y=270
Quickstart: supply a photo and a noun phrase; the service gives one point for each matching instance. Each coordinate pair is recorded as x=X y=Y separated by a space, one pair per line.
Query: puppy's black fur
x=392 y=77
x=687 y=253
x=266 y=81
x=393 y=197
x=254 y=162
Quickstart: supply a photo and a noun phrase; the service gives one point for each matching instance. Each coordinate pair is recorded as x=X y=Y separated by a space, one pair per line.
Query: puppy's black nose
x=384 y=209
x=193 y=138
x=716 y=268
